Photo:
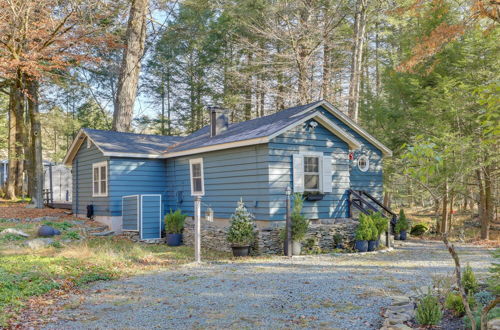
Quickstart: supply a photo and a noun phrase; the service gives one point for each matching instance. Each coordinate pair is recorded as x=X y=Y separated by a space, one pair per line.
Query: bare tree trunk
x=454 y=255
x=12 y=172
x=444 y=215
x=357 y=59
x=484 y=185
x=36 y=144
x=302 y=58
x=131 y=66
x=169 y=124
x=326 y=88
x=162 y=107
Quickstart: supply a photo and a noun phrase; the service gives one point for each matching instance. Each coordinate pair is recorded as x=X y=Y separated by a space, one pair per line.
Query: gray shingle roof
x=250 y=129
x=112 y=141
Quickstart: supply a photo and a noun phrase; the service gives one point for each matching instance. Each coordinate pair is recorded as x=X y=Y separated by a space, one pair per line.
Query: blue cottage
x=131 y=180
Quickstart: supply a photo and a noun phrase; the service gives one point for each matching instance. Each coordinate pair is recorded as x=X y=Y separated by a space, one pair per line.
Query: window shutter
x=298 y=173
x=327 y=174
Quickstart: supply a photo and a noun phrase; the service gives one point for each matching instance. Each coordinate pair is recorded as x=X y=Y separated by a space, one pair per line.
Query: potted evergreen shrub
x=241 y=232
x=300 y=224
x=174 y=224
x=402 y=225
x=373 y=235
x=381 y=223
x=362 y=234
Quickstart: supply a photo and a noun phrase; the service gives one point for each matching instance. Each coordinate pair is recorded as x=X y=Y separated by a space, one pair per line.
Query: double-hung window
x=100 y=179
x=196 y=172
x=311 y=173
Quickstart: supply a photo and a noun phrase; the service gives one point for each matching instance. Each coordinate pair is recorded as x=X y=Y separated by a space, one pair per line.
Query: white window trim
x=320 y=168
x=100 y=165
x=367 y=160
x=319 y=173
x=197 y=161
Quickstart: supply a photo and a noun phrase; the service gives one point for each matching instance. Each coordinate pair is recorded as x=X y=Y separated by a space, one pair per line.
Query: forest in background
x=420 y=75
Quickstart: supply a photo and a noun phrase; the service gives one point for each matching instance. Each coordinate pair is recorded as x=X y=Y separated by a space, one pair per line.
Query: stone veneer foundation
x=267 y=241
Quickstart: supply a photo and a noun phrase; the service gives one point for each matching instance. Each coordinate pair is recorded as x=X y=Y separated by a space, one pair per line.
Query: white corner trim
x=197 y=161
x=349 y=122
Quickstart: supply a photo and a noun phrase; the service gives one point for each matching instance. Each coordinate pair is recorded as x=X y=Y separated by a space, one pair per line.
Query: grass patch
x=11 y=238
x=71 y=235
x=62 y=226
x=26 y=273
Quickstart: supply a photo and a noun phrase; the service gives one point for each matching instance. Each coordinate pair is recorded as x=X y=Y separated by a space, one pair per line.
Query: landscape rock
x=39 y=243
x=400 y=300
x=47 y=231
x=494 y=324
x=103 y=233
x=14 y=232
x=396 y=327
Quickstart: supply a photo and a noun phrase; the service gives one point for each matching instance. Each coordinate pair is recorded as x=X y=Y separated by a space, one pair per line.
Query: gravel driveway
x=341 y=291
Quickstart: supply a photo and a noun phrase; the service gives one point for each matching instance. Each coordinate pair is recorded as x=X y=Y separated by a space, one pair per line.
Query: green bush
x=363 y=231
x=174 y=222
x=402 y=223
x=419 y=229
x=493 y=314
x=380 y=222
x=428 y=311
x=337 y=239
x=374 y=231
x=300 y=224
x=469 y=281
x=241 y=231
x=454 y=303
x=484 y=297
x=494 y=279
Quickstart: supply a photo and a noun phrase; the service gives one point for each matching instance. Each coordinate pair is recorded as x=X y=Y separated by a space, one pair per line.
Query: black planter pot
x=240 y=251
x=174 y=239
x=402 y=235
x=372 y=245
x=361 y=246
x=339 y=246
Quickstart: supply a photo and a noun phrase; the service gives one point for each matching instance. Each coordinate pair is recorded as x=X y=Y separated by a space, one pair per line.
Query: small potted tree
x=300 y=224
x=362 y=234
x=174 y=224
x=373 y=235
x=381 y=223
x=241 y=233
x=402 y=225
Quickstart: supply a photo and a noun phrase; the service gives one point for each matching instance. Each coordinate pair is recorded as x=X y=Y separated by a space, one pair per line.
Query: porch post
x=288 y=224
x=197 y=229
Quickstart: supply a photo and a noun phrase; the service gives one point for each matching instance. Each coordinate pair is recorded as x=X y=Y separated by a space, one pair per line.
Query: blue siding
x=301 y=139
x=151 y=217
x=133 y=176
x=371 y=180
x=229 y=174
x=82 y=188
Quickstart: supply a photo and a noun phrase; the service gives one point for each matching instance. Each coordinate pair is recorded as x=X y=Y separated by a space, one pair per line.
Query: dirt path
x=345 y=291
